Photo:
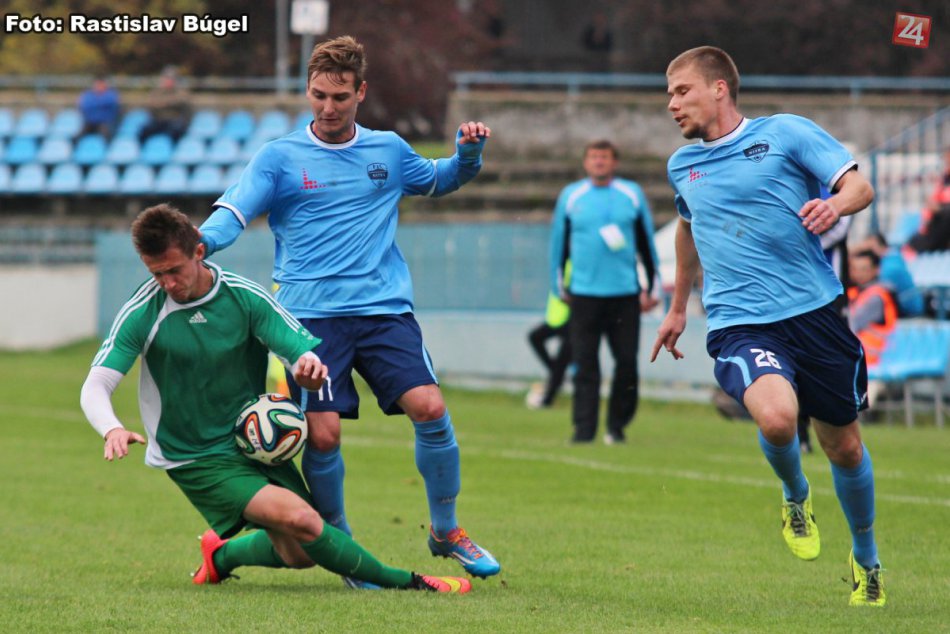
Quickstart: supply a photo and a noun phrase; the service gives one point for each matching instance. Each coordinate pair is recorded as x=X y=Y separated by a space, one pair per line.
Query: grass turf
x=677 y=531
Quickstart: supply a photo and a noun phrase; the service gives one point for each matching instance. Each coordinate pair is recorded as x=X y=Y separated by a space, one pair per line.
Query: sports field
x=678 y=531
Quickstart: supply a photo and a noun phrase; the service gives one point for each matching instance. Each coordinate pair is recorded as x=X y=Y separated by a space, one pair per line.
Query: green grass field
x=678 y=531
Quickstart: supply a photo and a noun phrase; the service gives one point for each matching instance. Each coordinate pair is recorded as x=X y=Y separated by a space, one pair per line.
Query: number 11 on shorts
x=912 y=30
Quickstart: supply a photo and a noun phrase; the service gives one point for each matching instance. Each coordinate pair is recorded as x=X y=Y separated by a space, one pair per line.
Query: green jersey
x=201 y=361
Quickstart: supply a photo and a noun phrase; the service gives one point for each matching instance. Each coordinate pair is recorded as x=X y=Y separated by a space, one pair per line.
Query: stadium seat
x=20 y=150
x=137 y=179
x=157 y=150
x=189 y=151
x=273 y=124
x=133 y=122
x=904 y=228
x=239 y=124
x=232 y=175
x=90 y=150
x=7 y=121
x=4 y=177
x=123 y=151
x=206 y=124
x=205 y=179
x=303 y=120
x=54 y=150
x=66 y=178
x=172 y=179
x=66 y=124
x=33 y=122
x=223 y=151
x=102 y=179
x=29 y=179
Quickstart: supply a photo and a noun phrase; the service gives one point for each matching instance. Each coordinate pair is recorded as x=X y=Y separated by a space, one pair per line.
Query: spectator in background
x=169 y=107
x=894 y=275
x=934 y=232
x=99 y=108
x=871 y=306
x=556 y=325
x=601 y=224
x=598 y=41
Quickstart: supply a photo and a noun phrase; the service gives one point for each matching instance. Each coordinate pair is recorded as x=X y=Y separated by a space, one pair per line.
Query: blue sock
x=437 y=458
x=855 y=489
x=787 y=463
x=324 y=474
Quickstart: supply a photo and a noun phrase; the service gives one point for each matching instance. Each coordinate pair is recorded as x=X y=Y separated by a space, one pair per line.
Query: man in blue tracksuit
x=601 y=224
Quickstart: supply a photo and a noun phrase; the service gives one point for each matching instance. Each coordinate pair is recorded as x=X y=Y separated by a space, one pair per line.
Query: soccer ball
x=271 y=429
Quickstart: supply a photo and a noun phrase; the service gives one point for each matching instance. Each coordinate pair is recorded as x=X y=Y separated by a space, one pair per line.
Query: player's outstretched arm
x=451 y=173
x=118 y=441
x=96 y=402
x=309 y=372
x=687 y=267
x=853 y=193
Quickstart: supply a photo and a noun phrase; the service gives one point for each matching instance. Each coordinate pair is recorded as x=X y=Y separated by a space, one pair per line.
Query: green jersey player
x=203 y=335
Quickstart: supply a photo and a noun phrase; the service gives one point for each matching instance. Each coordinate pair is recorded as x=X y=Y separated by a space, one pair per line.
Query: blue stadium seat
x=206 y=124
x=189 y=151
x=223 y=151
x=273 y=124
x=133 y=122
x=66 y=124
x=232 y=175
x=303 y=120
x=137 y=179
x=102 y=179
x=239 y=124
x=66 y=178
x=54 y=150
x=4 y=177
x=33 y=122
x=29 y=179
x=123 y=151
x=172 y=179
x=7 y=121
x=205 y=179
x=90 y=150
x=157 y=150
x=20 y=150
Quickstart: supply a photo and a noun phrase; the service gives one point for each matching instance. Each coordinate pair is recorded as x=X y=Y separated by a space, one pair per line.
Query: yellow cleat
x=800 y=530
x=867 y=585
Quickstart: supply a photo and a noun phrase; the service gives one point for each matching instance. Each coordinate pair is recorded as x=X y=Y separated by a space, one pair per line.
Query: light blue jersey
x=602 y=229
x=333 y=211
x=742 y=194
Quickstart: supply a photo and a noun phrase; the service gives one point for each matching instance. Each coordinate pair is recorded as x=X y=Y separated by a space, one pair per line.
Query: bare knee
x=778 y=423
x=324 y=430
x=423 y=404
x=303 y=524
x=843 y=450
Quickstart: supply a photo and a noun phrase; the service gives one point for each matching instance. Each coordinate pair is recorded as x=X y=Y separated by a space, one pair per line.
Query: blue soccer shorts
x=816 y=352
x=386 y=350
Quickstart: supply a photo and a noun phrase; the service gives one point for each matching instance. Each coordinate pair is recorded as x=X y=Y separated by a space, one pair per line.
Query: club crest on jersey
x=378 y=173
x=756 y=151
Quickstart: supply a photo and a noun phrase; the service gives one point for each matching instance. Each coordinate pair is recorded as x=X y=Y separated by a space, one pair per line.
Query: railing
x=575 y=82
x=904 y=168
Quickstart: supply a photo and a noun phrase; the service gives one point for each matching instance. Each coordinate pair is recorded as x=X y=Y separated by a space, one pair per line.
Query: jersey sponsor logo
x=378 y=173
x=756 y=151
x=197 y=318
x=695 y=175
x=309 y=183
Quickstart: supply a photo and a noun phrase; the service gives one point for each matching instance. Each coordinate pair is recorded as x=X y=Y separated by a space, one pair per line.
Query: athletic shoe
x=799 y=528
x=614 y=438
x=453 y=585
x=867 y=585
x=207 y=573
x=357 y=584
x=476 y=561
x=534 y=399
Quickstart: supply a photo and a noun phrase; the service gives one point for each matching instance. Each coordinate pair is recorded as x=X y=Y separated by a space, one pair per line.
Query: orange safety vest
x=874 y=337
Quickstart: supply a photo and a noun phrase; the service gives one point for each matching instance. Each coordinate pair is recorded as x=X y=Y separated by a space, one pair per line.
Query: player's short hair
x=162 y=227
x=871 y=255
x=337 y=56
x=713 y=64
x=602 y=144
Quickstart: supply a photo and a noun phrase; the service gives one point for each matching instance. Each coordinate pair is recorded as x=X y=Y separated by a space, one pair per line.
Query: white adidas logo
x=198 y=318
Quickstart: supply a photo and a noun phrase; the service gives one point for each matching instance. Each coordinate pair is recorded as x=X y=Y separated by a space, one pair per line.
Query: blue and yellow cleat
x=476 y=561
x=867 y=585
x=799 y=528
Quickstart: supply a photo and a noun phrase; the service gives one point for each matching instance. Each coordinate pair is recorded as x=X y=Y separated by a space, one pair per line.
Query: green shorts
x=221 y=487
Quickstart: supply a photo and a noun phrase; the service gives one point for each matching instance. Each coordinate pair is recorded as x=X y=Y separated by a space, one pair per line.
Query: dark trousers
x=617 y=318
x=556 y=365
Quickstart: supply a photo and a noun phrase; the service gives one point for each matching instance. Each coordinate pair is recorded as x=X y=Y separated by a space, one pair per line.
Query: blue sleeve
x=450 y=173
x=220 y=230
x=254 y=191
x=557 y=245
x=816 y=151
x=681 y=208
